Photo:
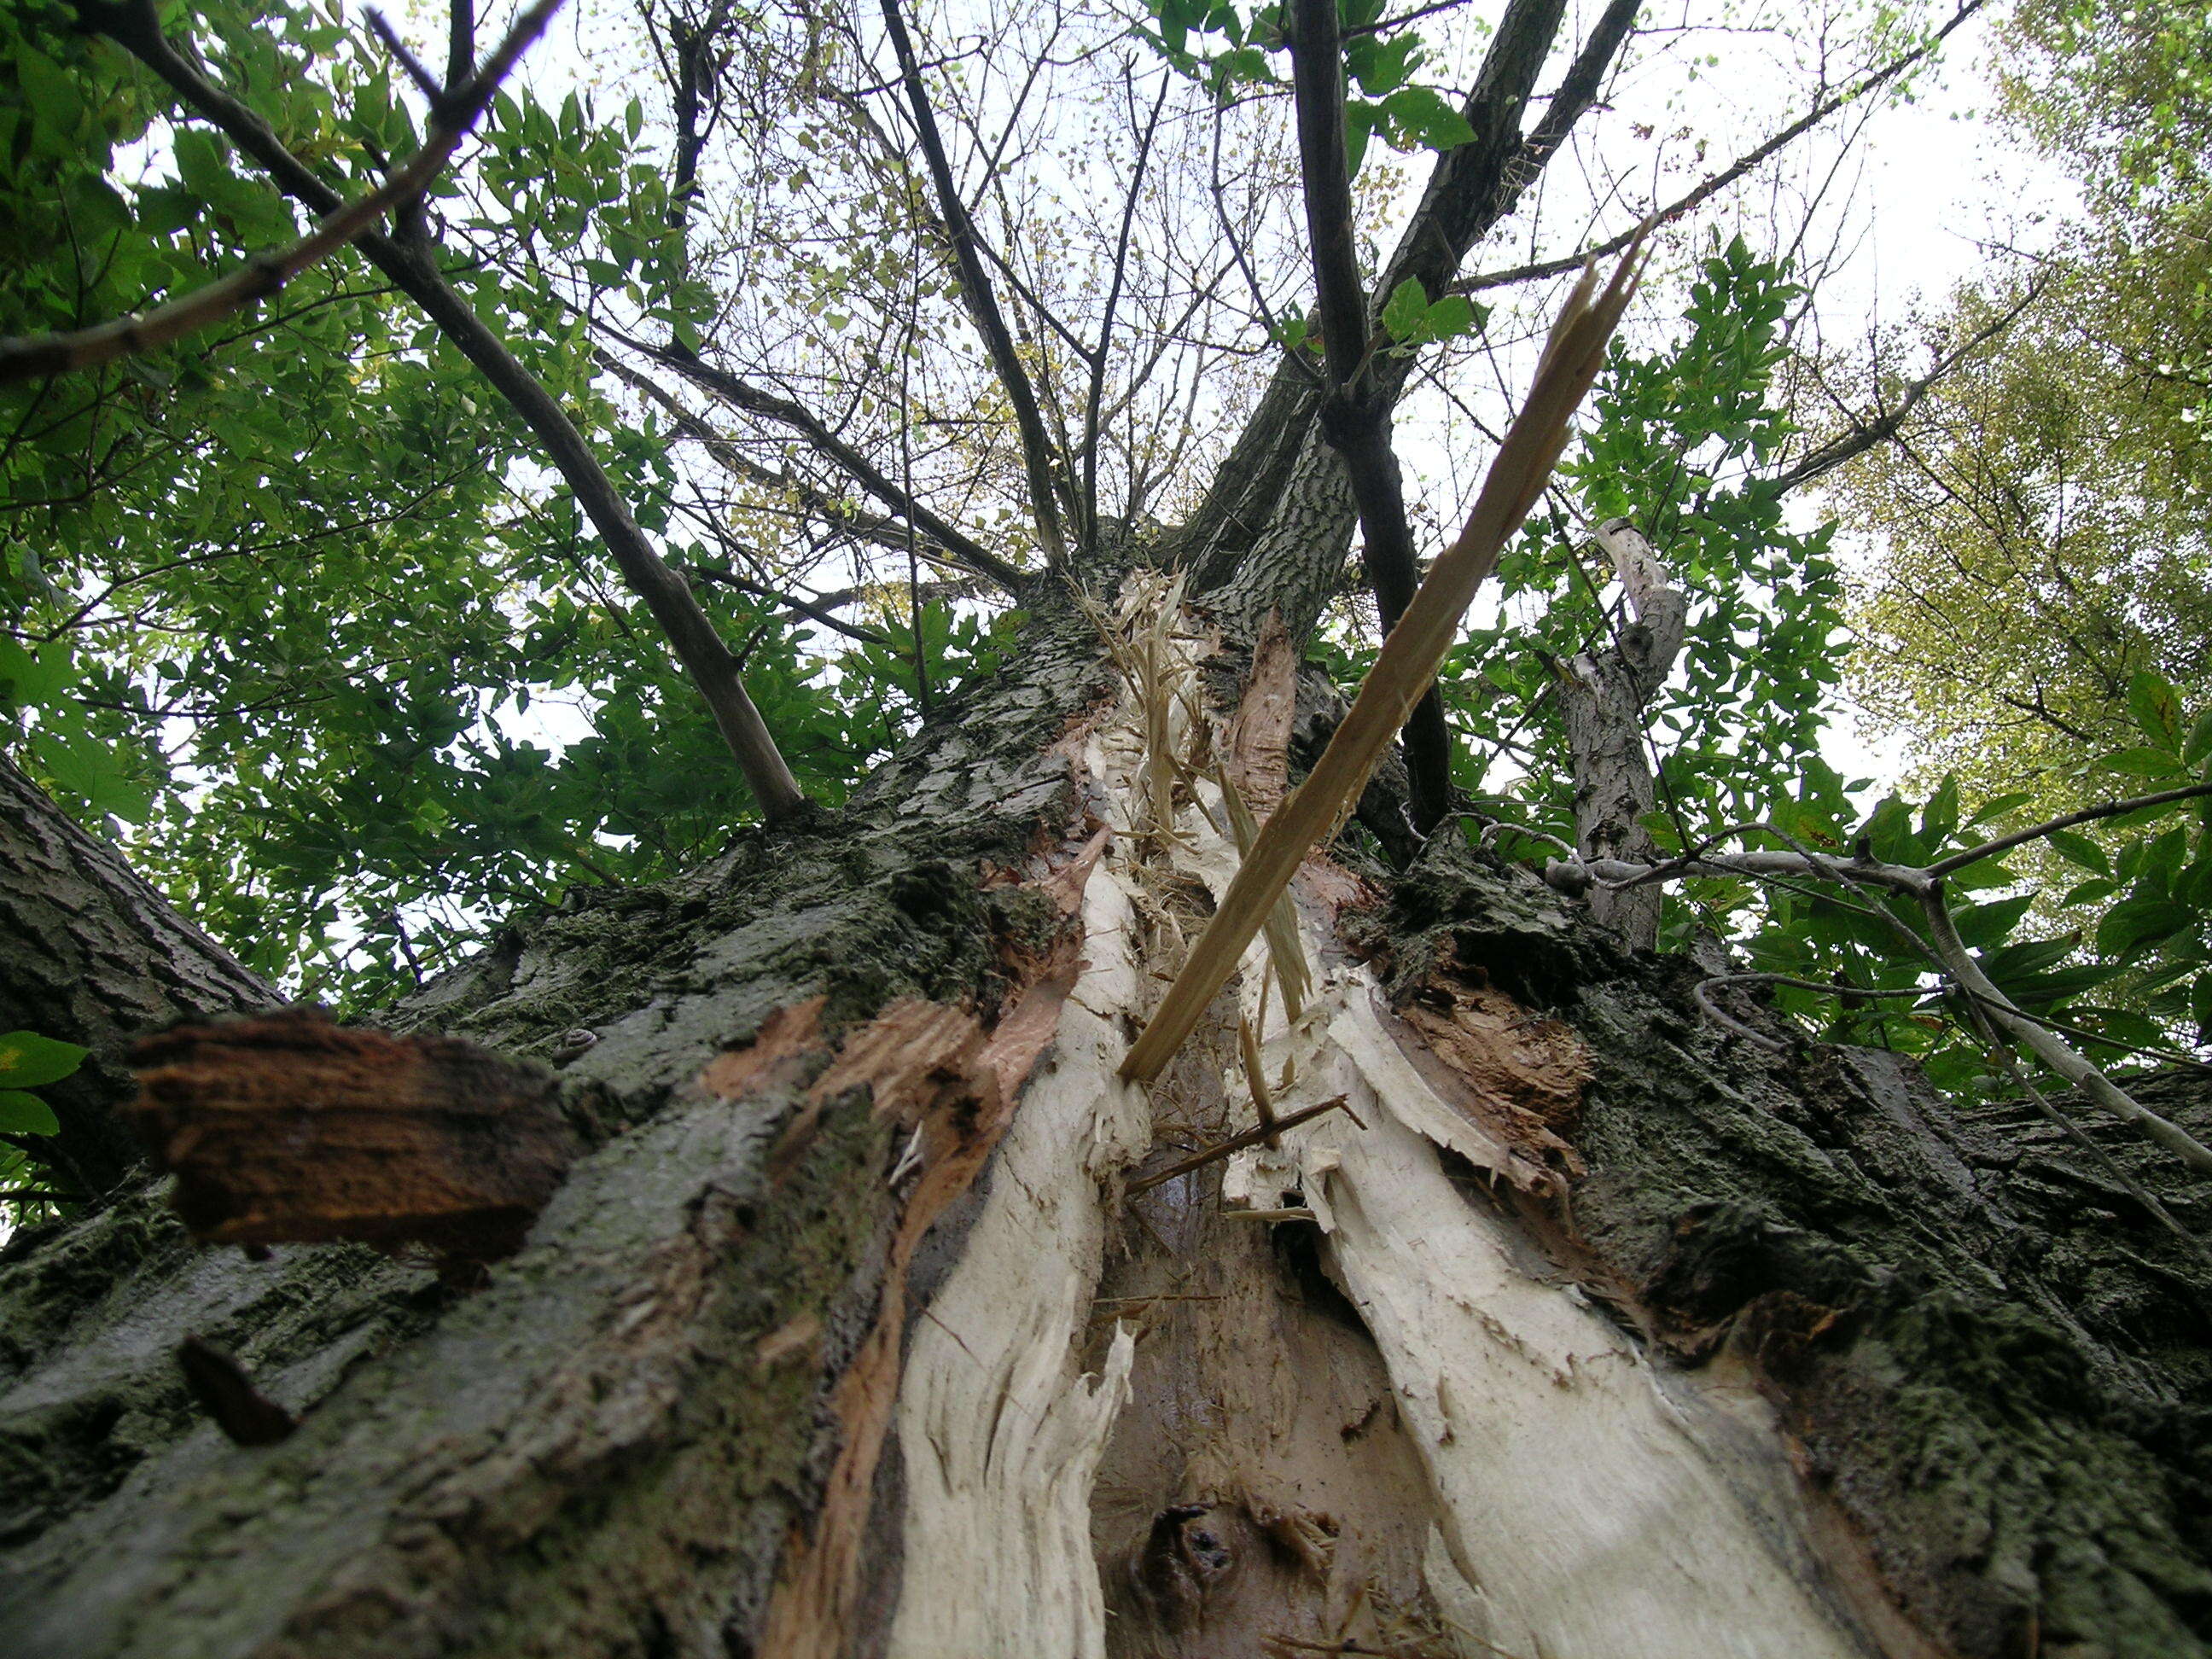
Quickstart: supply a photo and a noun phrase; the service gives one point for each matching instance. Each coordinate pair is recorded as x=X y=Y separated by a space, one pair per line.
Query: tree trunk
x=1602 y=698
x=1576 y=1329
x=92 y=954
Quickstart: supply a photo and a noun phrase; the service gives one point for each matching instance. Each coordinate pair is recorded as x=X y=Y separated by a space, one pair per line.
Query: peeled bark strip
x=289 y=1128
x=1000 y=1432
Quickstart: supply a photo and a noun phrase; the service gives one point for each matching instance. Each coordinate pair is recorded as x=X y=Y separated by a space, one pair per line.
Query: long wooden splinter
x=1408 y=661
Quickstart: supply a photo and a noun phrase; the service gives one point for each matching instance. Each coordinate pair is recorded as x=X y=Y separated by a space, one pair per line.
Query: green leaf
x=1407 y=309
x=2029 y=956
x=1360 y=120
x=2143 y=762
x=2089 y=892
x=25 y=1115
x=1450 y=317
x=2200 y=739
x=2042 y=991
x=31 y=681
x=1381 y=66
x=2156 y=710
x=1421 y=115
x=101 y=772
x=2079 y=849
x=2135 y=922
x=28 y=1061
x=1889 y=833
x=52 y=95
x=1939 y=818
x=1997 y=809
x=1983 y=926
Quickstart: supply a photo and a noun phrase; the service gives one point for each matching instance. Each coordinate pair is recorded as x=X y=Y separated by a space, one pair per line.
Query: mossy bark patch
x=1995 y=1363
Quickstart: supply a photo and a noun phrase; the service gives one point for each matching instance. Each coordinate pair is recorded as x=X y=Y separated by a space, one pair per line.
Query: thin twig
x=1719 y=181
x=1235 y=1143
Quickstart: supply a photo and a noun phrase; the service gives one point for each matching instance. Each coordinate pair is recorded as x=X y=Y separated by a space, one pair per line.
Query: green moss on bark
x=2007 y=1398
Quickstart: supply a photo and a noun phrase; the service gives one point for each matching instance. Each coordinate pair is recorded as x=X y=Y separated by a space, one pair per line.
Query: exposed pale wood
x=1407 y=663
x=998 y=1431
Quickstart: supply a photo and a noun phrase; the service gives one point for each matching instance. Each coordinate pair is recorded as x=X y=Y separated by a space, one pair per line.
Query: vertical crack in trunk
x=1385 y=1422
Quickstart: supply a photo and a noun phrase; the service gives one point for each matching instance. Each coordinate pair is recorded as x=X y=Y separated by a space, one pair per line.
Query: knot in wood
x=1185 y=1560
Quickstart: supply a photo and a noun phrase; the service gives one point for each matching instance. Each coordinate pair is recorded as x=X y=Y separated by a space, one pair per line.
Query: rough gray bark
x=1602 y=698
x=1992 y=1365
x=631 y=1439
x=595 y=1454
x=90 y=954
x=1994 y=1362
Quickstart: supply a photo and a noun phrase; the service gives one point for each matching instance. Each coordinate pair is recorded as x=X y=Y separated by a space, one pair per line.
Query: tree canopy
x=2038 y=599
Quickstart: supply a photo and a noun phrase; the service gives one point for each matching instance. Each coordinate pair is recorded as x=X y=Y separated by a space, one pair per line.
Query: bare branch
x=1708 y=187
x=742 y=394
x=460 y=41
x=1268 y=1131
x=1865 y=434
x=812 y=610
x=982 y=305
x=731 y=456
x=1943 y=947
x=1098 y=355
x=2049 y=1047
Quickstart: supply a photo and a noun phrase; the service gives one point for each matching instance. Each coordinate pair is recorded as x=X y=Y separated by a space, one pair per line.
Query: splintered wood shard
x=1408 y=661
x=288 y=1128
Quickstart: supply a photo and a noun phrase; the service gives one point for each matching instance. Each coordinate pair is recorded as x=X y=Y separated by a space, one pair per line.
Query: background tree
x=2036 y=608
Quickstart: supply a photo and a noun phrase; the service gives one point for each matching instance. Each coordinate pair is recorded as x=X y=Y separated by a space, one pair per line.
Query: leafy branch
x=411 y=263
x=1942 y=946
x=451 y=115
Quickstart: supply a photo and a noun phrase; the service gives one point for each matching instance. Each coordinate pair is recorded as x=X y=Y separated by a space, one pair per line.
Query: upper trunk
x=794 y=1364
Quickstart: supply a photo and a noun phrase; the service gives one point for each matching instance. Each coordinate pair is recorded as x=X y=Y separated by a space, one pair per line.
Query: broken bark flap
x=288 y=1128
x=1518 y=1074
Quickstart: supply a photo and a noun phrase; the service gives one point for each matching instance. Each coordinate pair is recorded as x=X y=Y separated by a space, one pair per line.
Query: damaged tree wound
x=287 y=1128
